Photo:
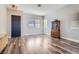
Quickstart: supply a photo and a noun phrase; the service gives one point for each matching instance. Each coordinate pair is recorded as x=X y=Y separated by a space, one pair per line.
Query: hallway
x=40 y=44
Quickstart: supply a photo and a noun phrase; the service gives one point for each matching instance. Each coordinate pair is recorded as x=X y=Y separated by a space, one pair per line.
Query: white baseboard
x=70 y=39
x=31 y=34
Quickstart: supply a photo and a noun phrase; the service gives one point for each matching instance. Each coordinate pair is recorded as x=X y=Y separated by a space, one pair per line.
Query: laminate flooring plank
x=41 y=44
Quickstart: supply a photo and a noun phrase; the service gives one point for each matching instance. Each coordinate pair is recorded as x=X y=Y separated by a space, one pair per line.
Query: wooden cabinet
x=55 y=30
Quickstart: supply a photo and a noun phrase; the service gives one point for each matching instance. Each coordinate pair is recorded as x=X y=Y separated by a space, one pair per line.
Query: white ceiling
x=43 y=10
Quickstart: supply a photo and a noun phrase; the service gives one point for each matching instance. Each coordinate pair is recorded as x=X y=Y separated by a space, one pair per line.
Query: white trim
x=31 y=34
x=70 y=39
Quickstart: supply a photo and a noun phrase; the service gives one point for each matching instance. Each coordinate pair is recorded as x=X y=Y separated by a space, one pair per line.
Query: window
x=31 y=23
x=34 y=23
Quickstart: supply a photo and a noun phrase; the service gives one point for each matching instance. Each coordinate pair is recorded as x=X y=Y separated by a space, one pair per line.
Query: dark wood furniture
x=55 y=30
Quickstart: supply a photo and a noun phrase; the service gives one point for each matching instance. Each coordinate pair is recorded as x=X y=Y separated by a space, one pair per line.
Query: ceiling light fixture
x=39 y=5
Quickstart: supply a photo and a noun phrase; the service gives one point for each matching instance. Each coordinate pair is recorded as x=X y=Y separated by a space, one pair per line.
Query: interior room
x=39 y=28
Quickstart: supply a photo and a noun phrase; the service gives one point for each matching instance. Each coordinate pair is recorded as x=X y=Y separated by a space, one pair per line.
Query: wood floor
x=40 y=44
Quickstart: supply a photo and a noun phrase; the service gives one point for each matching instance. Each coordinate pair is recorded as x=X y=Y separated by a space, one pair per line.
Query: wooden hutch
x=55 y=30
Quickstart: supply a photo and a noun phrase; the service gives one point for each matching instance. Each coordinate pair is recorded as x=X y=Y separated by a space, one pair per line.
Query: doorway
x=15 y=26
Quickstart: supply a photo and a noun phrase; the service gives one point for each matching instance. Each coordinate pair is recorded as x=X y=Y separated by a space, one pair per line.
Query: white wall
x=26 y=30
x=69 y=17
x=5 y=23
x=47 y=25
x=3 y=19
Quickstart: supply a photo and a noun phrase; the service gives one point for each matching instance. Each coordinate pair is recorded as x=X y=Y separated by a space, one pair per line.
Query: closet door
x=15 y=26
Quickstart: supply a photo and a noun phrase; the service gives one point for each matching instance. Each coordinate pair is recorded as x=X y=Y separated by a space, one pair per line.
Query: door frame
x=9 y=13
